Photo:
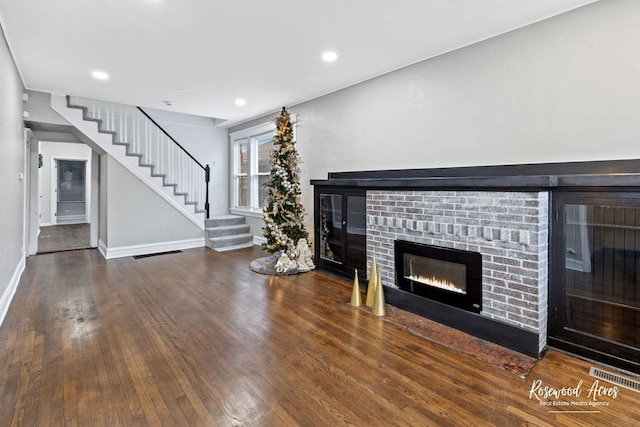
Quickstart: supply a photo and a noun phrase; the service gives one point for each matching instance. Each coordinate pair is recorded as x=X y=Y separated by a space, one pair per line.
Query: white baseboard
x=259 y=240
x=150 y=248
x=6 y=299
x=102 y=248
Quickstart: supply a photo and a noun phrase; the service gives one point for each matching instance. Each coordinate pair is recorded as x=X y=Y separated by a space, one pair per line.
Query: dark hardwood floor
x=196 y=338
x=64 y=237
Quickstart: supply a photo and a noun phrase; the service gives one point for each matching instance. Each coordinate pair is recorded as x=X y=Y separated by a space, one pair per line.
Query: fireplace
x=508 y=230
x=449 y=276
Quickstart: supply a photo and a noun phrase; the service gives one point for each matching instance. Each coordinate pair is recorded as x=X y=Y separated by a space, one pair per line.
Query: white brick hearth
x=509 y=229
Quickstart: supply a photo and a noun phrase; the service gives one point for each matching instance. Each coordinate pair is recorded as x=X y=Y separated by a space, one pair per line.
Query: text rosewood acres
x=542 y=393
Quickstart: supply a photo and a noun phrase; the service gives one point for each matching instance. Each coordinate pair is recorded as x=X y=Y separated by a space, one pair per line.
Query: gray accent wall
x=207 y=143
x=39 y=107
x=12 y=164
x=137 y=215
x=102 y=196
x=564 y=89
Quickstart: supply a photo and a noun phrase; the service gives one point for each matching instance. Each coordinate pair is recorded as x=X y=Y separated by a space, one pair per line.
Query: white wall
x=12 y=161
x=59 y=150
x=208 y=144
x=565 y=89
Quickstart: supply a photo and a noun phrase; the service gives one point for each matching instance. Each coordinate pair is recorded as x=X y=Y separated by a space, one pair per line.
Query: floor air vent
x=625 y=382
x=156 y=254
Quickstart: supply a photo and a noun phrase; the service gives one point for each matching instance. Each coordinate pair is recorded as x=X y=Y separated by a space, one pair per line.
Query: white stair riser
x=227 y=230
x=223 y=241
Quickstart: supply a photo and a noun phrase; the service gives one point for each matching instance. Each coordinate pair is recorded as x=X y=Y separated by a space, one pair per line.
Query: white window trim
x=249 y=134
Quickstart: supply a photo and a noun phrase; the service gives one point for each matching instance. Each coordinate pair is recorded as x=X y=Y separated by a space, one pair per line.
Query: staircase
x=227 y=232
x=131 y=137
x=137 y=142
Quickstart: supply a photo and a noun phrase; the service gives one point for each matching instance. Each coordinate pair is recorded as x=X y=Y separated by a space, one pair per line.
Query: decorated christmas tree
x=283 y=212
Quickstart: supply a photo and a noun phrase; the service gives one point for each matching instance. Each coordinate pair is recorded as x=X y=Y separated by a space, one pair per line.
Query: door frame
x=26 y=192
x=55 y=184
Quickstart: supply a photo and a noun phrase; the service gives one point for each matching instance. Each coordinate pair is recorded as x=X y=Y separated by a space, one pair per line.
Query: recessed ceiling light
x=329 y=56
x=240 y=102
x=183 y=90
x=100 y=75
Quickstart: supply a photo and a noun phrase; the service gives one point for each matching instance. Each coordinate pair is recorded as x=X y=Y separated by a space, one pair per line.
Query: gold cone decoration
x=379 y=306
x=356 y=298
x=371 y=287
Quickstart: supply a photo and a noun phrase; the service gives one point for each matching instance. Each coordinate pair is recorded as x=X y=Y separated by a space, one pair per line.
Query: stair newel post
x=207 y=173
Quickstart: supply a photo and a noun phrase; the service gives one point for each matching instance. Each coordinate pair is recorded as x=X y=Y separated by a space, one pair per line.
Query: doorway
x=71 y=206
x=71 y=229
x=64 y=209
x=595 y=282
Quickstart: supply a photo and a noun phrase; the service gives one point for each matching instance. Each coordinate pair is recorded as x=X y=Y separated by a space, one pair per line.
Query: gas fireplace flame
x=437 y=283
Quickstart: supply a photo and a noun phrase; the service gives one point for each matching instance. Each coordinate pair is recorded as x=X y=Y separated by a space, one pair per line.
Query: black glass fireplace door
x=595 y=282
x=341 y=231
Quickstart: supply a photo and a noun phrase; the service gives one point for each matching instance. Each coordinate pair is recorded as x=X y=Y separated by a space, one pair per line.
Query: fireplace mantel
x=611 y=173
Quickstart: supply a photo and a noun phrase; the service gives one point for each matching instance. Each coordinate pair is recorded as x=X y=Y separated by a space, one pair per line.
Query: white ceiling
x=267 y=52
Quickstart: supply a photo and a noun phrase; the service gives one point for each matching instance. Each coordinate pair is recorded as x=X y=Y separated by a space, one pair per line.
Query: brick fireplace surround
x=509 y=229
x=502 y=212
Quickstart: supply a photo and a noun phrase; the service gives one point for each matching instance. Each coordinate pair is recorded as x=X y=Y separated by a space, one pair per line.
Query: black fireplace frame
x=470 y=301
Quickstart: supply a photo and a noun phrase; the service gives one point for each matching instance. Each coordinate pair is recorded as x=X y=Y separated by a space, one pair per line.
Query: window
x=251 y=167
x=242 y=167
x=264 y=145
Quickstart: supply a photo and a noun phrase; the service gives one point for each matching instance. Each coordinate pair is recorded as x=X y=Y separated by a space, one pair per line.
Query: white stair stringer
x=131 y=162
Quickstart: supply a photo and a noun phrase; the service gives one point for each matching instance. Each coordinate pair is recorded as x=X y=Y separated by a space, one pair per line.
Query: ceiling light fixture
x=240 y=102
x=329 y=56
x=100 y=75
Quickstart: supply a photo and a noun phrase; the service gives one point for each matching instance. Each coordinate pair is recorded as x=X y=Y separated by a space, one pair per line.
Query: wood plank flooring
x=64 y=237
x=196 y=338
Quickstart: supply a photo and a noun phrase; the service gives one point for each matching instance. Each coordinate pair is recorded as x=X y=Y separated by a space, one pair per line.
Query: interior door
x=71 y=192
x=595 y=281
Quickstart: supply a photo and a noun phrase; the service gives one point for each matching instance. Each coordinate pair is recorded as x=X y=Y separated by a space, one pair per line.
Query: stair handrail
x=170 y=137
x=113 y=118
x=206 y=168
